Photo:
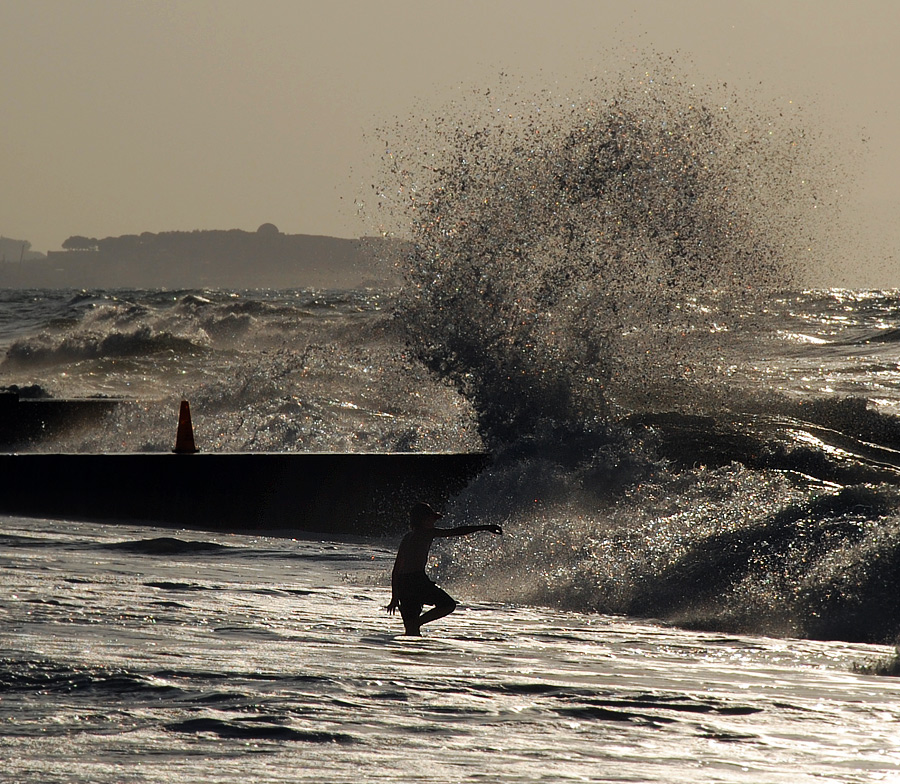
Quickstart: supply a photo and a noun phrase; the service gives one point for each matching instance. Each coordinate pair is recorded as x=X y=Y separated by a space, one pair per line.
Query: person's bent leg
x=445 y=607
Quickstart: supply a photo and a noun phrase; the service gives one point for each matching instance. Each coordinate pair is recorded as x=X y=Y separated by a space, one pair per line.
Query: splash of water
x=579 y=271
x=566 y=253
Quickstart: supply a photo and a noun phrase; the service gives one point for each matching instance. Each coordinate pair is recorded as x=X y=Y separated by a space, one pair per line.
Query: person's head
x=423 y=516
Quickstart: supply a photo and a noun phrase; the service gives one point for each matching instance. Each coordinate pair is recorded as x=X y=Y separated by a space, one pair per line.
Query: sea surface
x=696 y=598
x=135 y=655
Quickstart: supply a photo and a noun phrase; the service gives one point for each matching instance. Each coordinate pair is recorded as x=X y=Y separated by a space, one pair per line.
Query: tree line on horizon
x=217 y=257
x=267 y=235
x=210 y=257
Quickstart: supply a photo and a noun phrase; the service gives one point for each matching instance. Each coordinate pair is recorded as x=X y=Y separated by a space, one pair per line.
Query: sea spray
x=590 y=274
x=564 y=251
x=728 y=549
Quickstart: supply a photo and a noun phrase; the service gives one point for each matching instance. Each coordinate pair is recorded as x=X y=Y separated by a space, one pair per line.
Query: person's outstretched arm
x=466 y=529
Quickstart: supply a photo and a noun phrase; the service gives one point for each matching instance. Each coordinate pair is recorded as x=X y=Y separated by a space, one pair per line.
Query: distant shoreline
x=230 y=258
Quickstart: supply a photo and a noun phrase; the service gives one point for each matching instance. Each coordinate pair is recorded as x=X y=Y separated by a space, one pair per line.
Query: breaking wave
x=298 y=370
x=565 y=253
x=591 y=275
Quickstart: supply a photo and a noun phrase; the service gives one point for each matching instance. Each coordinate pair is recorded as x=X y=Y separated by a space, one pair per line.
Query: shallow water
x=135 y=654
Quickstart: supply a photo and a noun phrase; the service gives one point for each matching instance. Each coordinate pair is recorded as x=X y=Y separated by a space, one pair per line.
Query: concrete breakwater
x=345 y=493
x=25 y=421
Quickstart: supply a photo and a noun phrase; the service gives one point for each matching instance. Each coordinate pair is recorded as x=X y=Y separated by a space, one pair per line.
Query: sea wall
x=25 y=421
x=341 y=493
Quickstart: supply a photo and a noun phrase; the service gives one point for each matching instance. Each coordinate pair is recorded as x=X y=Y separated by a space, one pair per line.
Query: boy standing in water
x=411 y=588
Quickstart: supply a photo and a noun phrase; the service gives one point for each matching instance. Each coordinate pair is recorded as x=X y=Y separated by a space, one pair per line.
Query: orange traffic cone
x=184 y=440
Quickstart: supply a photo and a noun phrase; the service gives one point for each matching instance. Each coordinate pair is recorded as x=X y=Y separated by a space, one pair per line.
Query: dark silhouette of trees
x=78 y=242
x=221 y=257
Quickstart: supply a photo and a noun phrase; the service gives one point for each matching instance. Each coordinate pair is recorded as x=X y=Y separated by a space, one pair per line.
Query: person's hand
x=495 y=529
x=392 y=607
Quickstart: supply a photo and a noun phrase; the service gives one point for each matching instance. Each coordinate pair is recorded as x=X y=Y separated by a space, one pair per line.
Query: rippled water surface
x=134 y=654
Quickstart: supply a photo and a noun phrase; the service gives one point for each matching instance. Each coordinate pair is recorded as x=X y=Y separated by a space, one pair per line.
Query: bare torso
x=412 y=555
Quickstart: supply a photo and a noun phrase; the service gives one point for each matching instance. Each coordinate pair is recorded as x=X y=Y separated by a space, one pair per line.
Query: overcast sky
x=121 y=117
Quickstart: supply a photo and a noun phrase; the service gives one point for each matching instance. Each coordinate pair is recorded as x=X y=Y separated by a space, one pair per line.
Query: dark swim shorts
x=416 y=589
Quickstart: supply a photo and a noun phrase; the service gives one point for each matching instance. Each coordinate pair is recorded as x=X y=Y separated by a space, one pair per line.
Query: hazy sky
x=122 y=117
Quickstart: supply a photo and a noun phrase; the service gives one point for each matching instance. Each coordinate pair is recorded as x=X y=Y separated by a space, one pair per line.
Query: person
x=411 y=588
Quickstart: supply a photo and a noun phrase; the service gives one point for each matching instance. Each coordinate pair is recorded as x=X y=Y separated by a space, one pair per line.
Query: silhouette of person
x=411 y=588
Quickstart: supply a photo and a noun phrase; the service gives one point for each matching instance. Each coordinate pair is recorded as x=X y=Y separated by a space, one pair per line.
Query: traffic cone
x=184 y=440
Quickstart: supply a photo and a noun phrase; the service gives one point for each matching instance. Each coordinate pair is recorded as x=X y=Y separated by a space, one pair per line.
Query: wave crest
x=562 y=254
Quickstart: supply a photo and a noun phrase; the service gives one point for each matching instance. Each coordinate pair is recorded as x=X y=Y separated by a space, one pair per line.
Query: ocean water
x=139 y=655
x=695 y=461
x=689 y=596
x=263 y=370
